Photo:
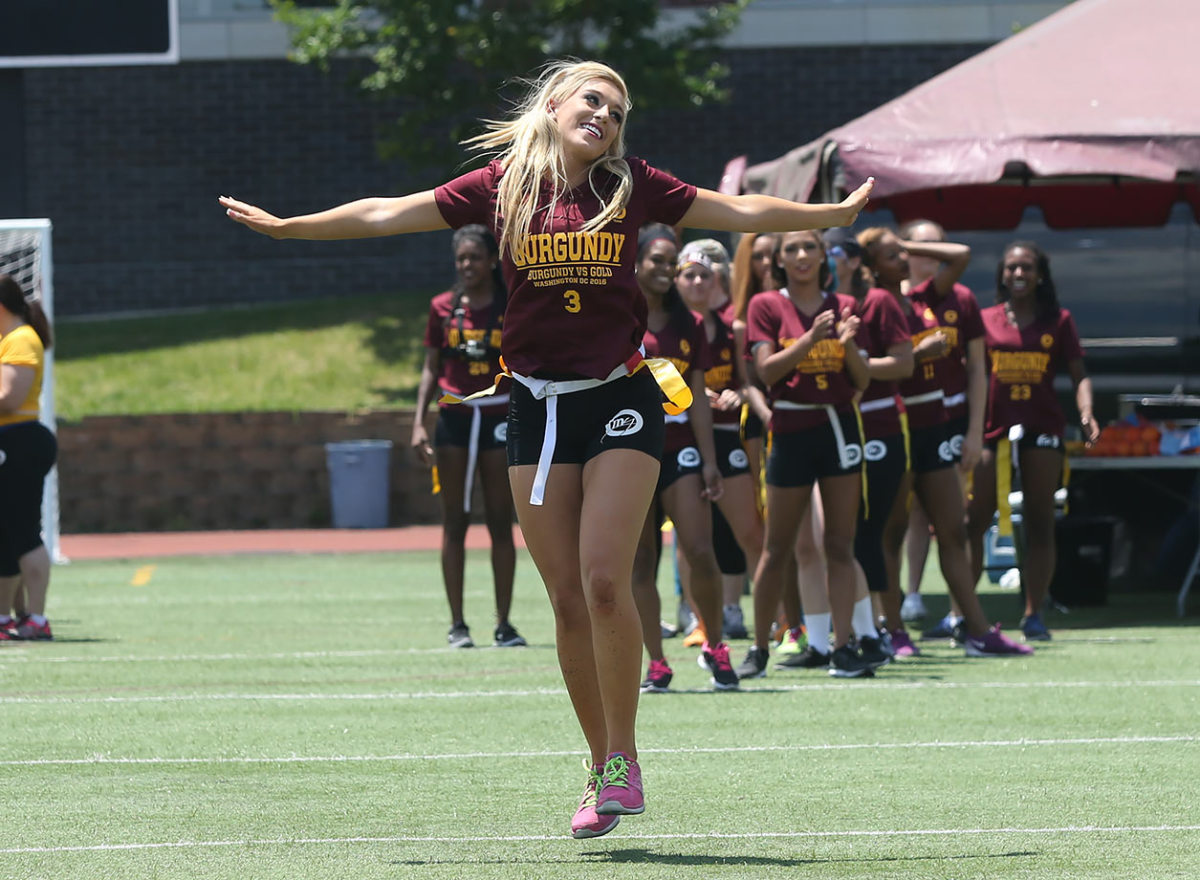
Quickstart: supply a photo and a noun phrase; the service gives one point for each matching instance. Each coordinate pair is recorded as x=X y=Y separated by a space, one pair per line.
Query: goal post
x=25 y=255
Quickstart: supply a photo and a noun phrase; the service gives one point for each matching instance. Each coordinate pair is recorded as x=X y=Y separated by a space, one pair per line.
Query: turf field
x=295 y=717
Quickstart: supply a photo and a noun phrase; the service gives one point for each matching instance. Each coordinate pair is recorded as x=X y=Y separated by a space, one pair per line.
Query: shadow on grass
x=641 y=856
x=1149 y=608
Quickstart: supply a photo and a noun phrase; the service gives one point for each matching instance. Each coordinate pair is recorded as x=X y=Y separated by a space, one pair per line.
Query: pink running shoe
x=994 y=643
x=33 y=632
x=715 y=658
x=621 y=789
x=586 y=823
x=902 y=645
x=658 y=678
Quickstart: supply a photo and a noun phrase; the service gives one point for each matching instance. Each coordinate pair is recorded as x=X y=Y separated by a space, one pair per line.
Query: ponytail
x=13 y=299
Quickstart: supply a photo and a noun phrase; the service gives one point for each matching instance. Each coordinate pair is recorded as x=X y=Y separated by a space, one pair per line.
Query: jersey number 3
x=572 y=304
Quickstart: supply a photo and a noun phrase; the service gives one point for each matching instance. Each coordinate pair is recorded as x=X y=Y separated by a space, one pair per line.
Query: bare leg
x=980 y=510
x=692 y=516
x=8 y=594
x=452 y=470
x=1041 y=470
x=498 y=509
x=916 y=545
x=840 y=498
x=941 y=496
x=893 y=541
x=645 y=585
x=35 y=578
x=810 y=558
x=785 y=509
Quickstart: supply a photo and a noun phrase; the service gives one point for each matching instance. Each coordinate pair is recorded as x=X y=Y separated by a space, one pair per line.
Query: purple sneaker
x=621 y=788
x=994 y=643
x=902 y=644
x=586 y=822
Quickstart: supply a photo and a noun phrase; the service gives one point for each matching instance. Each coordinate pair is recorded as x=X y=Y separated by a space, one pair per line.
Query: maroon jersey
x=883 y=325
x=574 y=306
x=684 y=343
x=922 y=391
x=469 y=344
x=1022 y=366
x=821 y=377
x=720 y=374
x=957 y=315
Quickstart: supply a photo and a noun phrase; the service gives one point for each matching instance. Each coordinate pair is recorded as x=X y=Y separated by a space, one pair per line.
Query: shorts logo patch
x=738 y=459
x=3 y=456
x=688 y=457
x=945 y=451
x=500 y=433
x=956 y=443
x=624 y=423
x=1048 y=441
x=854 y=454
x=876 y=450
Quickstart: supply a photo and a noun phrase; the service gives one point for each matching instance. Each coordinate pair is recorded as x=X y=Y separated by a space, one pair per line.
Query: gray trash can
x=358 y=483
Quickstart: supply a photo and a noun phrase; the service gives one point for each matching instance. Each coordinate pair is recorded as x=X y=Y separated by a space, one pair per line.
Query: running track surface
x=156 y=544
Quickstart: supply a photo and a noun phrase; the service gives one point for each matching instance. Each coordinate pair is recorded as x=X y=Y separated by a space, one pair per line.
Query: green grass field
x=343 y=353
x=296 y=717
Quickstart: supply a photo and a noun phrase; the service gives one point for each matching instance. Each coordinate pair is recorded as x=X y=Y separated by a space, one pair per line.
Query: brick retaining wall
x=224 y=470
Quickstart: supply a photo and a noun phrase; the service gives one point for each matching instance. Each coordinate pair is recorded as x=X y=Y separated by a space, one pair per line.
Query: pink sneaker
x=902 y=645
x=33 y=632
x=715 y=658
x=658 y=678
x=621 y=789
x=994 y=643
x=586 y=823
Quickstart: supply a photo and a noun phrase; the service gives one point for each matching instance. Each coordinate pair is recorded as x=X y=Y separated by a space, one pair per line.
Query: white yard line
x=1065 y=830
x=841 y=687
x=682 y=750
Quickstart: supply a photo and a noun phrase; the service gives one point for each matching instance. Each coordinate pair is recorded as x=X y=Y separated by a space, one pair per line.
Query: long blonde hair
x=529 y=148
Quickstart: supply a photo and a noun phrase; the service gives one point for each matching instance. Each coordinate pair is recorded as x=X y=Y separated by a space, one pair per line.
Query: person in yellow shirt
x=27 y=452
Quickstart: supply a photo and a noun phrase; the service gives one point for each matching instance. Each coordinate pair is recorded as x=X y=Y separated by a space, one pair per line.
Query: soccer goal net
x=25 y=255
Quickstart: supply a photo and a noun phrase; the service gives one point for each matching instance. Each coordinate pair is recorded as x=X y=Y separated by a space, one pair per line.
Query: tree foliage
x=454 y=61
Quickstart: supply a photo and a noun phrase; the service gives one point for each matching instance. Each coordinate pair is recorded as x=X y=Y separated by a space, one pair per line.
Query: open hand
x=248 y=215
x=856 y=201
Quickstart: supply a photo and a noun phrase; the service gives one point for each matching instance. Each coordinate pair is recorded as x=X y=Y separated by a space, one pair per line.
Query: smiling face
x=473 y=264
x=589 y=120
x=802 y=254
x=696 y=285
x=1019 y=272
x=656 y=266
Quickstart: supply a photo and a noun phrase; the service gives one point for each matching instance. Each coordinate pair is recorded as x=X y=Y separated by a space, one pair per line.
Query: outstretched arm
x=365 y=218
x=759 y=213
x=953 y=257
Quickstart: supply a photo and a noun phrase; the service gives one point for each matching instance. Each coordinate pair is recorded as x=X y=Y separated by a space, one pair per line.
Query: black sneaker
x=755 y=664
x=809 y=658
x=845 y=662
x=873 y=653
x=508 y=637
x=715 y=658
x=460 y=636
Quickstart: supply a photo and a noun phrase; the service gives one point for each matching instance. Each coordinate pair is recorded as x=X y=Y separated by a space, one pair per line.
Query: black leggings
x=886 y=465
x=27 y=452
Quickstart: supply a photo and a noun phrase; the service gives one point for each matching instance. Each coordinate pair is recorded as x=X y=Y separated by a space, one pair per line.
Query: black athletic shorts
x=753 y=427
x=800 y=458
x=931 y=450
x=27 y=452
x=732 y=459
x=679 y=463
x=956 y=429
x=454 y=428
x=625 y=413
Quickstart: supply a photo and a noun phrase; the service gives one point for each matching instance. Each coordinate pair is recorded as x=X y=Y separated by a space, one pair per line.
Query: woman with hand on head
x=931 y=471
x=462 y=355
x=27 y=452
x=585 y=426
x=1030 y=337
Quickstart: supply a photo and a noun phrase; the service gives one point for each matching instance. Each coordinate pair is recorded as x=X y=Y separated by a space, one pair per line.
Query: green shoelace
x=616 y=771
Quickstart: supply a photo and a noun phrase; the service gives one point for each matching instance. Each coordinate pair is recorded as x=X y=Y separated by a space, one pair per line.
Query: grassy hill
x=348 y=353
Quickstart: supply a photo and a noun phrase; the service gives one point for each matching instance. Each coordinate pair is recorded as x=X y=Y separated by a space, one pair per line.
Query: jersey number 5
x=572 y=303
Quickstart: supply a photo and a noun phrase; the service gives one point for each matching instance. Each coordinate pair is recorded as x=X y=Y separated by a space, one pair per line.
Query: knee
x=603 y=593
x=839 y=548
x=454 y=526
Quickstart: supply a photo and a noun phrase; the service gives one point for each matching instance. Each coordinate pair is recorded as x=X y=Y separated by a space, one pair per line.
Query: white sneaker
x=913 y=608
